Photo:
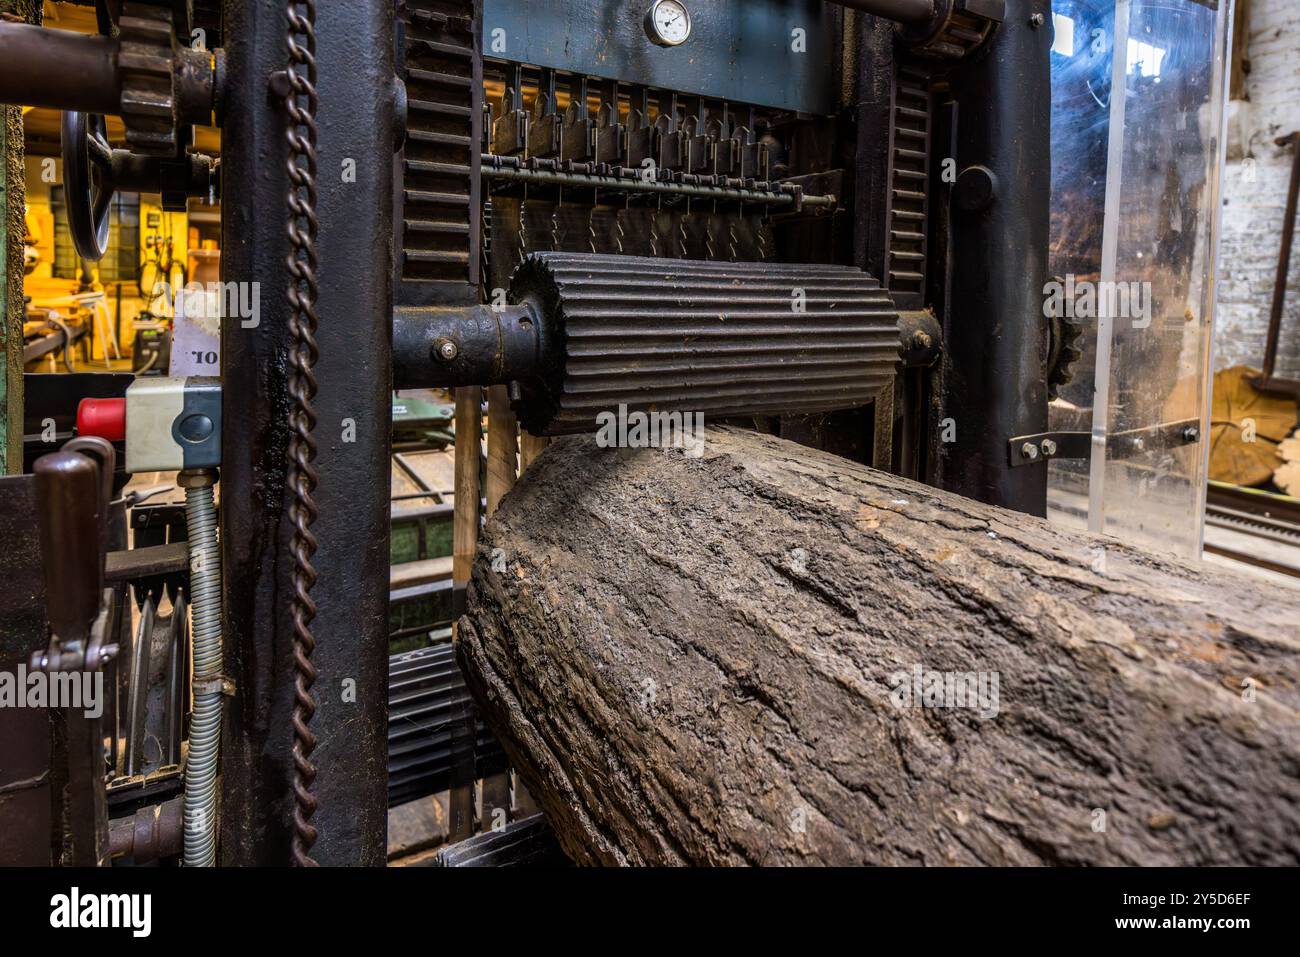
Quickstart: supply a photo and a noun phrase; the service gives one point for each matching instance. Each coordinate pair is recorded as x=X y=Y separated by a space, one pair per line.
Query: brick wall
x=1254 y=192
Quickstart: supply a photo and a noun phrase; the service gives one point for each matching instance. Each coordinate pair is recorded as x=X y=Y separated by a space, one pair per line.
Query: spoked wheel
x=88 y=181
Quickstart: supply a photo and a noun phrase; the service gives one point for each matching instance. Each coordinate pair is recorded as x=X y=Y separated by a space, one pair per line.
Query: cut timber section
x=693 y=661
x=503 y=447
x=530 y=446
x=469 y=450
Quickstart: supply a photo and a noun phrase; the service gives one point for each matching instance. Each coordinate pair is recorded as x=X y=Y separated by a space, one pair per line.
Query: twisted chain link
x=300 y=102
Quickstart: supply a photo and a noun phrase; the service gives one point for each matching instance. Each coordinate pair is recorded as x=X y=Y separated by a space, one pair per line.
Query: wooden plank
x=1240 y=66
x=469 y=450
x=503 y=447
x=469 y=425
x=408 y=574
x=530 y=446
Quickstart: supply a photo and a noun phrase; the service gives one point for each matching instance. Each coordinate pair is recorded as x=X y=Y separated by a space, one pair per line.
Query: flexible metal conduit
x=201 y=764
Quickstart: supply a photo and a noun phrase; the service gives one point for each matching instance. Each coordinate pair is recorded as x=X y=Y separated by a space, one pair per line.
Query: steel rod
x=58 y=69
x=1283 y=260
x=900 y=11
x=634 y=183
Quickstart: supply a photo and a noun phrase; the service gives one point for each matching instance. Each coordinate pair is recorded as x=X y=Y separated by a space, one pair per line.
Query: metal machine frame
x=343 y=126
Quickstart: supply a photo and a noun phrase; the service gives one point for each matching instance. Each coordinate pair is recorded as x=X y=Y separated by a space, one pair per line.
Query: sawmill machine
x=826 y=220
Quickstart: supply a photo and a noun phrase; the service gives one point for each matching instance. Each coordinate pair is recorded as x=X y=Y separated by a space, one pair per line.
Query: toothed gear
x=148 y=99
x=958 y=29
x=1065 y=335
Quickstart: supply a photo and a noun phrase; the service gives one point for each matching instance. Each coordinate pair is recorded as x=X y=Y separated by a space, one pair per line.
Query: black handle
x=68 y=494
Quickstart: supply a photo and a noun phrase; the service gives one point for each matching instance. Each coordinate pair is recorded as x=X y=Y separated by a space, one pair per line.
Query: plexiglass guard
x=1137 y=145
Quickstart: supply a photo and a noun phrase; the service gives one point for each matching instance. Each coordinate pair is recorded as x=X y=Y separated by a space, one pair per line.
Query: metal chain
x=300 y=132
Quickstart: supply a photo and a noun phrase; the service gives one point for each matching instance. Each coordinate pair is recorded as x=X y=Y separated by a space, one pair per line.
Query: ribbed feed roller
x=718 y=338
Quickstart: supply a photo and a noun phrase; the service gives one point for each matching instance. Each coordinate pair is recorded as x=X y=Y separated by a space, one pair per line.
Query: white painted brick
x=1254 y=192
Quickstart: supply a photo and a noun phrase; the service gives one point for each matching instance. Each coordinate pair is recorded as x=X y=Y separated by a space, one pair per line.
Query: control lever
x=73 y=489
x=70 y=503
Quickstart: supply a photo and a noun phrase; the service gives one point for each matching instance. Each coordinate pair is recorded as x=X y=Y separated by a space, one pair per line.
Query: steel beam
x=354 y=53
x=994 y=368
x=900 y=11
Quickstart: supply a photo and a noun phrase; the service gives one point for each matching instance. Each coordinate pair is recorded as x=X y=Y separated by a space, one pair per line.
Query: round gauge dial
x=668 y=23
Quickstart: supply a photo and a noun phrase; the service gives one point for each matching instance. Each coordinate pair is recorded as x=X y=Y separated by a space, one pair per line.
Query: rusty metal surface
x=154 y=832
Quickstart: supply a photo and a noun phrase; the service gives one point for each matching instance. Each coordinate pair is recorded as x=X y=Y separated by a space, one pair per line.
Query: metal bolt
x=196 y=478
x=921 y=340
x=448 y=350
x=1036 y=20
x=1049 y=447
x=1030 y=451
x=1191 y=434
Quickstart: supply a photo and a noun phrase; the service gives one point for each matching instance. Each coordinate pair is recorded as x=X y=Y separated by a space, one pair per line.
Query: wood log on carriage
x=770 y=655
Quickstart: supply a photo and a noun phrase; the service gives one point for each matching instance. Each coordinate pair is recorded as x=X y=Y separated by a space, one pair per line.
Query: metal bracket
x=1032 y=449
x=217 y=683
x=1044 y=446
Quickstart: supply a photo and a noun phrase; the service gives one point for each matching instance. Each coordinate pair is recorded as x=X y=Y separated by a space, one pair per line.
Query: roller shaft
x=717 y=338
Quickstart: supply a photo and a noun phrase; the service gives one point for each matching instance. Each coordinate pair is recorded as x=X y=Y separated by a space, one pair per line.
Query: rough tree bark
x=697 y=660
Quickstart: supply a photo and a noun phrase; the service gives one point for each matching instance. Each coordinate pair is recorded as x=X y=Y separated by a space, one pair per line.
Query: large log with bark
x=772 y=655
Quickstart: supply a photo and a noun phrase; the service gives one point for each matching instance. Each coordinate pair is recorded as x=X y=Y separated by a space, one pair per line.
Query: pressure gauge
x=668 y=23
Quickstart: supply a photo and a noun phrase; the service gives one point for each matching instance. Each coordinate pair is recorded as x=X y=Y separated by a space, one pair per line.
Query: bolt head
x=196 y=478
x=1048 y=446
x=1037 y=20
x=448 y=350
x=1030 y=451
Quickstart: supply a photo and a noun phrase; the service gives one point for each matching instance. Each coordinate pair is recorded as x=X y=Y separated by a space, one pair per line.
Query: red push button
x=105 y=418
